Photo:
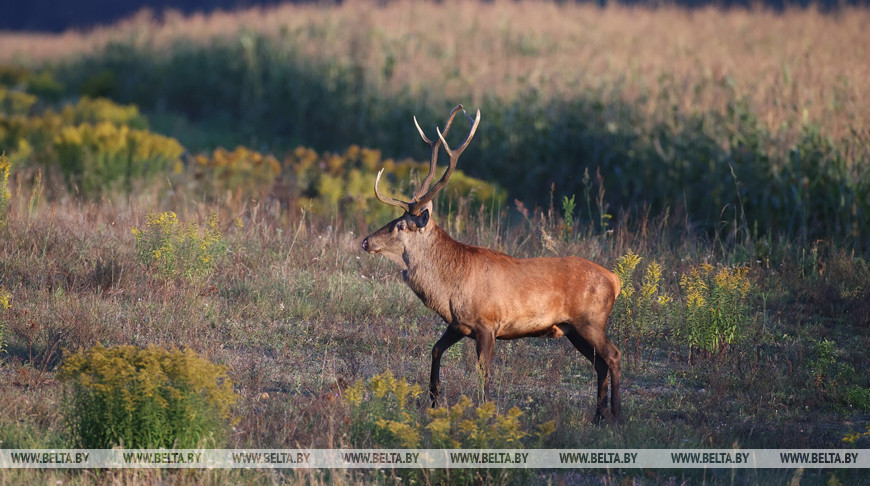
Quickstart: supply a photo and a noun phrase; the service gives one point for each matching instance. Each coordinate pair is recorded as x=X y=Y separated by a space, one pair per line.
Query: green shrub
x=384 y=412
x=714 y=310
x=857 y=438
x=146 y=398
x=179 y=251
x=99 y=145
x=835 y=377
x=96 y=110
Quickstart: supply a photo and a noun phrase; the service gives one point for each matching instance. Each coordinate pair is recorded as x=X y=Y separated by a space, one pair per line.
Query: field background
x=736 y=138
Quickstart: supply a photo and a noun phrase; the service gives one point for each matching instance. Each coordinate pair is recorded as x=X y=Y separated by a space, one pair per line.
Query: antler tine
x=424 y=187
x=388 y=200
x=454 y=159
x=458 y=152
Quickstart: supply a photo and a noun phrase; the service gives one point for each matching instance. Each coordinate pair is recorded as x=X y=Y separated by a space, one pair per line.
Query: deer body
x=487 y=295
x=475 y=288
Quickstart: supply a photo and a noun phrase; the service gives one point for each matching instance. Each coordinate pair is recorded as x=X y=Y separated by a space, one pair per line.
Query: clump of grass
x=146 y=398
x=176 y=250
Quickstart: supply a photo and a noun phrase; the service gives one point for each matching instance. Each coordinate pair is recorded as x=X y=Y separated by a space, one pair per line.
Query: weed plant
x=146 y=398
x=642 y=310
x=5 y=305
x=179 y=251
x=715 y=313
x=385 y=412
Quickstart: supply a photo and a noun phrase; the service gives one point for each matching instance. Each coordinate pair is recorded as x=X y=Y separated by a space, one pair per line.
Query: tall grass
x=748 y=121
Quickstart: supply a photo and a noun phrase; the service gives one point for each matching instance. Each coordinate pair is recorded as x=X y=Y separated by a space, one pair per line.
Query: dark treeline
x=54 y=16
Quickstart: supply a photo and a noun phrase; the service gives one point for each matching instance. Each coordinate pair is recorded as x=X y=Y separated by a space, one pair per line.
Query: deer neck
x=435 y=269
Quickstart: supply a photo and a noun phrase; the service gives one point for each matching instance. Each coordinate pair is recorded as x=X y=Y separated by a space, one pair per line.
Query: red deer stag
x=487 y=295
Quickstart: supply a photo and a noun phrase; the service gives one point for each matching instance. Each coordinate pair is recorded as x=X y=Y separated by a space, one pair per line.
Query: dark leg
x=451 y=336
x=485 y=344
x=605 y=351
x=615 y=377
x=601 y=369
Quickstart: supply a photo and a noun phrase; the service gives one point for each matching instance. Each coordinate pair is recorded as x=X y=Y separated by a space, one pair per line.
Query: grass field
x=654 y=105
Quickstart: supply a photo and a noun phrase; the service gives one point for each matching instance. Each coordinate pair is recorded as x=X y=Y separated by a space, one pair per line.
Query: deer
x=487 y=295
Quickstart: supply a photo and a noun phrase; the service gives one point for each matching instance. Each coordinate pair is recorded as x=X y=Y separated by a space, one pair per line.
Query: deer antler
x=454 y=158
x=424 y=187
x=388 y=200
x=423 y=195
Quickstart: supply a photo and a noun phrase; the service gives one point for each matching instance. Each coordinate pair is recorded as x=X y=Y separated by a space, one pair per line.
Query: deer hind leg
x=485 y=342
x=606 y=359
x=449 y=338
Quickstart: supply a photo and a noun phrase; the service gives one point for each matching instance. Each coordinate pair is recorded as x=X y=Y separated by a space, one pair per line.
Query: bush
x=836 y=378
x=97 y=144
x=97 y=157
x=179 y=251
x=146 y=398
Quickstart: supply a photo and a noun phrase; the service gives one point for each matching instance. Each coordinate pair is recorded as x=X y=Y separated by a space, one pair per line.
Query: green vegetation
x=642 y=310
x=178 y=251
x=146 y=398
x=715 y=311
x=729 y=192
x=385 y=413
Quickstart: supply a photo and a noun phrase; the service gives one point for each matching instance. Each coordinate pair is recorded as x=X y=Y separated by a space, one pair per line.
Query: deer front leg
x=451 y=336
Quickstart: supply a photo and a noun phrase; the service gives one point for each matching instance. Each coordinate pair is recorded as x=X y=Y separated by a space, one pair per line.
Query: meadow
x=205 y=181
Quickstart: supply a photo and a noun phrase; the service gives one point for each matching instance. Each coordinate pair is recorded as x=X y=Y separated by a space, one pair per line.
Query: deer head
x=393 y=239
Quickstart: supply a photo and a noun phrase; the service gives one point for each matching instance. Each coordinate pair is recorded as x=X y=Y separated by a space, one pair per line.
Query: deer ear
x=422 y=219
